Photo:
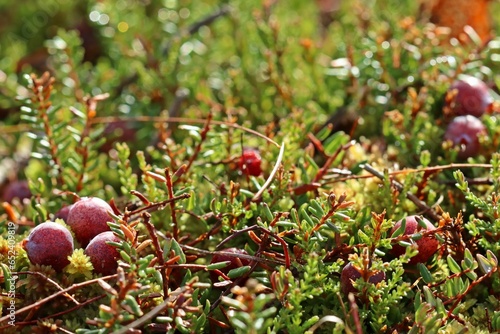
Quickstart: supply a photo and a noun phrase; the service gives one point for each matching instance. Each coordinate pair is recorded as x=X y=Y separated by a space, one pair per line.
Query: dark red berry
x=104 y=257
x=464 y=132
x=88 y=217
x=250 y=162
x=63 y=213
x=427 y=245
x=235 y=261
x=350 y=274
x=49 y=244
x=16 y=189
x=472 y=97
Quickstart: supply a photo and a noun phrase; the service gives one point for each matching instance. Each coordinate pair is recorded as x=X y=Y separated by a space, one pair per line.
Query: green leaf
x=417 y=300
x=429 y=296
x=452 y=287
x=484 y=264
x=472 y=275
x=464 y=285
x=247 y=193
x=333 y=227
x=364 y=237
x=425 y=158
x=422 y=312
x=125 y=256
x=163 y=320
x=404 y=243
x=218 y=265
x=453 y=265
x=158 y=278
x=317 y=207
x=132 y=304
x=440 y=307
x=235 y=273
x=468 y=261
x=174 y=245
x=294 y=216
x=416 y=236
x=233 y=303
x=267 y=212
x=421 y=222
x=306 y=216
x=287 y=224
x=7 y=277
x=179 y=325
x=492 y=258
x=200 y=323
x=425 y=273
x=400 y=230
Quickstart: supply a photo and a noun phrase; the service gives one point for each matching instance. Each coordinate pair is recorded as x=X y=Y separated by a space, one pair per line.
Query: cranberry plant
x=222 y=166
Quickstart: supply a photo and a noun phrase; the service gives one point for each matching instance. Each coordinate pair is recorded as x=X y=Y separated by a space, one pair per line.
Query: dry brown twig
x=55 y=295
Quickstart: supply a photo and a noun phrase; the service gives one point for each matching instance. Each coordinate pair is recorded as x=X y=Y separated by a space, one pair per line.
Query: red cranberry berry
x=49 y=244
x=427 y=246
x=16 y=189
x=88 y=217
x=63 y=213
x=464 y=131
x=104 y=257
x=235 y=261
x=472 y=97
x=350 y=274
x=250 y=162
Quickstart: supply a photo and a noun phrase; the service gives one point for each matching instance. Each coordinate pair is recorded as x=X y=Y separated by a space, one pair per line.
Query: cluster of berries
x=427 y=246
x=51 y=243
x=468 y=99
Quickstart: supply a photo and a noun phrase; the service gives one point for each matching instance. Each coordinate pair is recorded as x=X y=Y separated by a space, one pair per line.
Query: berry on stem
x=472 y=97
x=49 y=244
x=16 y=189
x=250 y=162
x=63 y=213
x=350 y=274
x=427 y=245
x=104 y=257
x=464 y=132
x=88 y=217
